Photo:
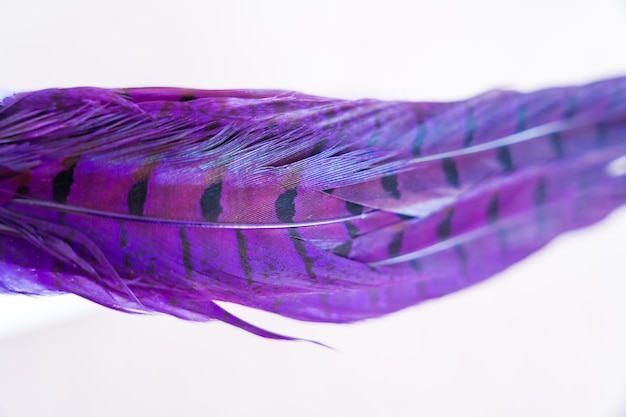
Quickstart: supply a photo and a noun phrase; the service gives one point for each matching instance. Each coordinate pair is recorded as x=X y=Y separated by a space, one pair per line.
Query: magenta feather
x=318 y=209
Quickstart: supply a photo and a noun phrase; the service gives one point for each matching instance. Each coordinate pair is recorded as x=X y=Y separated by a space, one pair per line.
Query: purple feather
x=166 y=200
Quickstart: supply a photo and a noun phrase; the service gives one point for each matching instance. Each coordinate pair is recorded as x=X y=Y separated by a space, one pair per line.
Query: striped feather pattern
x=166 y=200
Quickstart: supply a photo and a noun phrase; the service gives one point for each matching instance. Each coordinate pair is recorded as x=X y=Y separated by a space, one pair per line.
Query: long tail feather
x=320 y=209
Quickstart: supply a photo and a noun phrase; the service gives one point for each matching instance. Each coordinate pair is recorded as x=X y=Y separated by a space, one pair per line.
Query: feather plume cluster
x=167 y=200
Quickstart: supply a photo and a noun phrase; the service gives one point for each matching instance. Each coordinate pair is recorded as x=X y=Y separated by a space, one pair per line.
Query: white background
x=545 y=338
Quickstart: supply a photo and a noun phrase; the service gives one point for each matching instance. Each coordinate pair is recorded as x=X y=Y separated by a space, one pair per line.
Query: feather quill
x=167 y=200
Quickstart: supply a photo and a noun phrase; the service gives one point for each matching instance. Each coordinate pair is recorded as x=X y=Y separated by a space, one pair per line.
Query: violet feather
x=167 y=200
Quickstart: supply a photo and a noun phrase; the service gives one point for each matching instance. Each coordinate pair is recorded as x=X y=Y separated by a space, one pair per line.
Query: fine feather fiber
x=167 y=200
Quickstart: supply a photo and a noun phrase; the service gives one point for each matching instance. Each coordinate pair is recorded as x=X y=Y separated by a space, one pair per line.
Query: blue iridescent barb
x=167 y=200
